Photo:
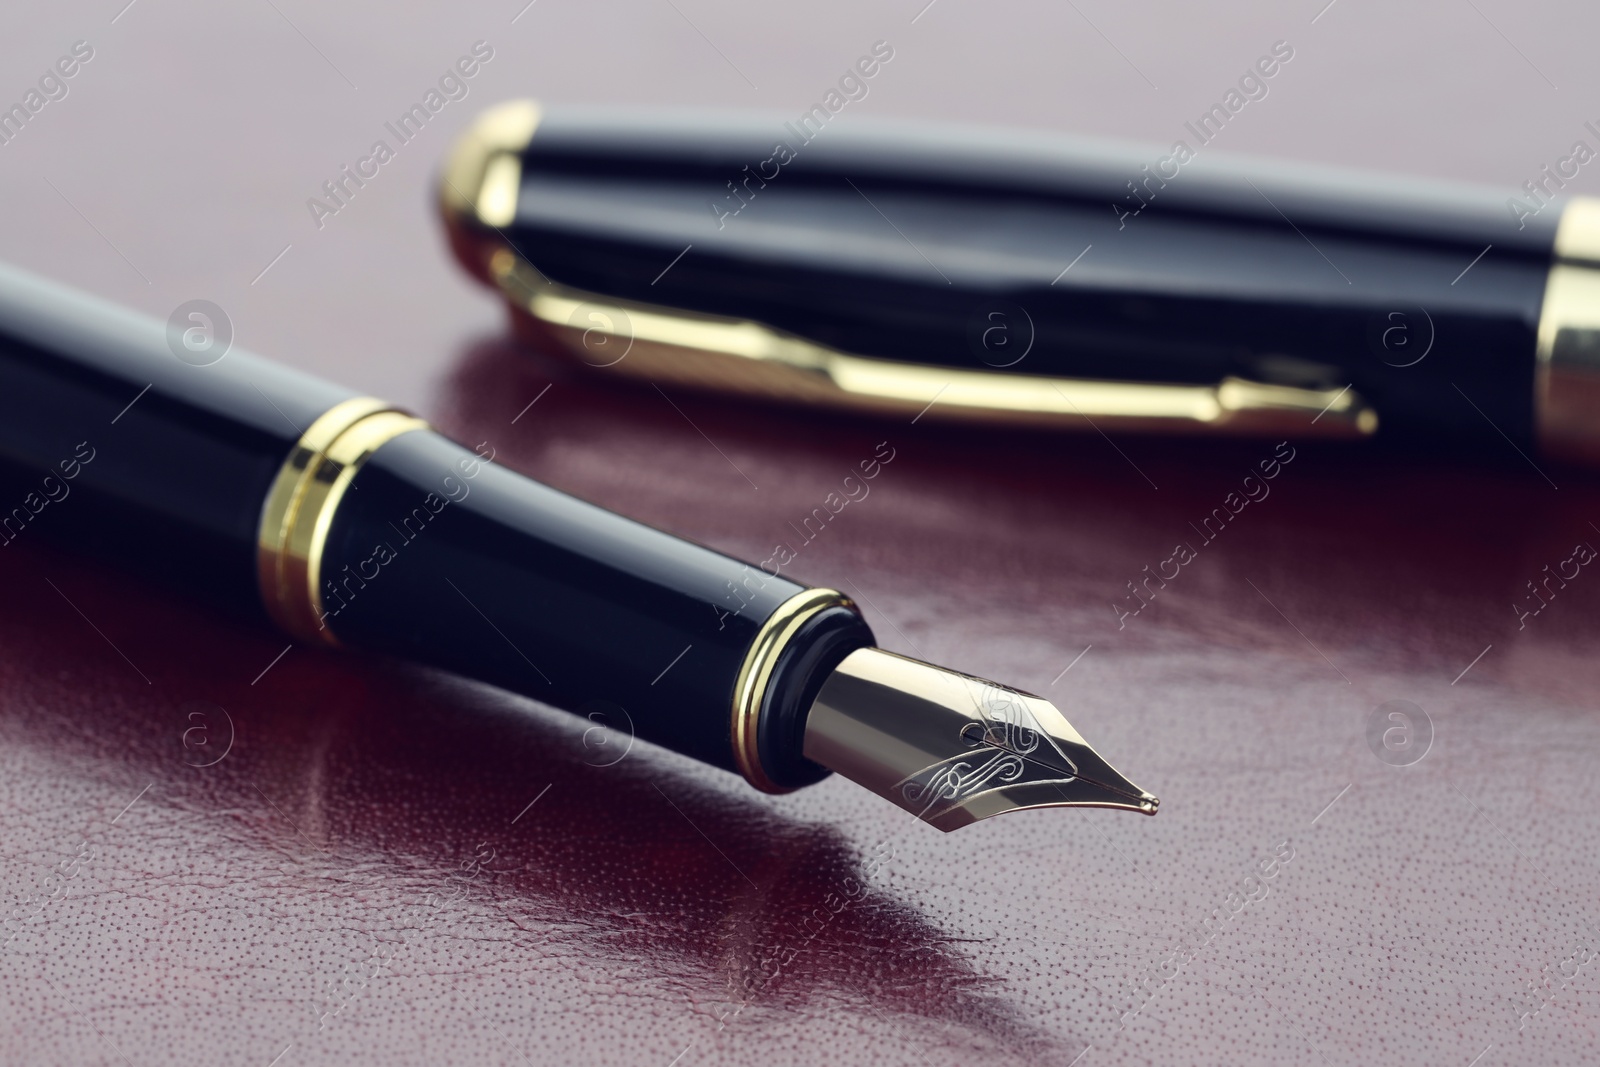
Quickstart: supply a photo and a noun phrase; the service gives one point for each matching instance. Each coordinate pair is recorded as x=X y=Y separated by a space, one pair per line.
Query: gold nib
x=953 y=749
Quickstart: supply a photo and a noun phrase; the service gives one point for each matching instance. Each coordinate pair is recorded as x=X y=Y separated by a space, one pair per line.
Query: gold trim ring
x=299 y=509
x=756 y=672
x=1566 y=394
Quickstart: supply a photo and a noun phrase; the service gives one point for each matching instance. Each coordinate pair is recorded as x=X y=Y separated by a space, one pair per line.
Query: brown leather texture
x=1377 y=840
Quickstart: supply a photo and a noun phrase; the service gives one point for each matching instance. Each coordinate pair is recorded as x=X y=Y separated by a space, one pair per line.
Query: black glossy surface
x=112 y=443
x=109 y=441
x=906 y=242
x=440 y=557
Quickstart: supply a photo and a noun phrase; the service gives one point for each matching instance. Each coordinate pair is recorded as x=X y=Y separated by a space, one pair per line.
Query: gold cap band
x=751 y=688
x=299 y=509
x=1566 y=397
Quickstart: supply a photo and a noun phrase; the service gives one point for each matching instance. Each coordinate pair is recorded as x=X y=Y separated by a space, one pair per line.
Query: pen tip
x=953 y=749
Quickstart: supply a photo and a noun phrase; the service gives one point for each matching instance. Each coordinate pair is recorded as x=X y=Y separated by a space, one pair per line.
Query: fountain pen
x=346 y=521
x=987 y=276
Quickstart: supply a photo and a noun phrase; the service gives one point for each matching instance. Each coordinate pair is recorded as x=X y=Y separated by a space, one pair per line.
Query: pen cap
x=977 y=275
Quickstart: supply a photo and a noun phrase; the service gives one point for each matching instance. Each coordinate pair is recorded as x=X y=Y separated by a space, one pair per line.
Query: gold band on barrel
x=299 y=509
x=756 y=672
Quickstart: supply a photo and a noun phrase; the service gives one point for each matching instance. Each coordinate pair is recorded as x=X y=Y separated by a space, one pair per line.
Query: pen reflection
x=405 y=815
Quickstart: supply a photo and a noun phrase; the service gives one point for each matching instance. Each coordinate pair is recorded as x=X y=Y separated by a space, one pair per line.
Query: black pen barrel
x=111 y=441
x=348 y=522
x=440 y=555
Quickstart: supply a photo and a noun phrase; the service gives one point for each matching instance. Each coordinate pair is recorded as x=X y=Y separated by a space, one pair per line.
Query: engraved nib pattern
x=953 y=749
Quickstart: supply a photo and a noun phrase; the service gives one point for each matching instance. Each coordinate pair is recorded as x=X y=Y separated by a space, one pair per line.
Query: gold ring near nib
x=953 y=749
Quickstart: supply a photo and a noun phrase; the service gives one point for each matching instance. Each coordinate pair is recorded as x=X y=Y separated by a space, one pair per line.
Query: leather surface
x=214 y=853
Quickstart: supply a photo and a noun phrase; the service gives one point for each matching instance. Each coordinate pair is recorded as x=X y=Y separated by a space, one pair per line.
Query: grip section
x=439 y=555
